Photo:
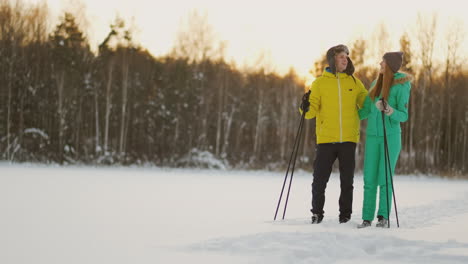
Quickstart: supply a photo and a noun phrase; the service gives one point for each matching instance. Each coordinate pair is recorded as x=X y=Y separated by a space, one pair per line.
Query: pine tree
x=71 y=56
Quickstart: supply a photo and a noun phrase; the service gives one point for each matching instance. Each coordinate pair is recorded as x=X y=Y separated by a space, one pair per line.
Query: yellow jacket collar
x=340 y=75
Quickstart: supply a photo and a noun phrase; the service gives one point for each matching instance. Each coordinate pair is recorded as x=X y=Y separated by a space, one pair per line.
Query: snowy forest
x=65 y=102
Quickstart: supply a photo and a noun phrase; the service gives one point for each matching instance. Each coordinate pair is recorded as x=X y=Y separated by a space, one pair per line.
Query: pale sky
x=291 y=33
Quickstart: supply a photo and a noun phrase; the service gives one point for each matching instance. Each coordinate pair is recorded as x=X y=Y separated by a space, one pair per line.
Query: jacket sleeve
x=365 y=111
x=400 y=110
x=314 y=99
x=366 y=108
x=361 y=95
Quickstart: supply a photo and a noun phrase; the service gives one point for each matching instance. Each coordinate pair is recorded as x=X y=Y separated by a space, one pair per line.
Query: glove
x=305 y=105
x=384 y=107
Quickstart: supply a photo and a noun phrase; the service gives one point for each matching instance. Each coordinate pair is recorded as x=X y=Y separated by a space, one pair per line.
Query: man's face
x=341 y=61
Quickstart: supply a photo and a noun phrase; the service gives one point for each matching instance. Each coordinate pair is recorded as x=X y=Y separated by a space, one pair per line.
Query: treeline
x=60 y=102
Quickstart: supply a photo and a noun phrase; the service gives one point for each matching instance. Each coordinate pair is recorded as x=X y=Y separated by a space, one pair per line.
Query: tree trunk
x=227 y=132
x=21 y=122
x=437 y=136
x=220 y=113
x=61 y=113
x=449 y=130
x=411 y=145
x=10 y=80
x=283 y=129
x=258 y=127
x=124 y=104
x=110 y=69
x=78 y=127
x=97 y=147
x=464 y=143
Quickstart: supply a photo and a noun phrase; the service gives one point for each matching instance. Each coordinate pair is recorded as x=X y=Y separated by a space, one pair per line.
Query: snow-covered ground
x=87 y=215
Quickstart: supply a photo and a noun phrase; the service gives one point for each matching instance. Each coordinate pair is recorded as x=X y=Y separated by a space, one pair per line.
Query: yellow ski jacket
x=334 y=102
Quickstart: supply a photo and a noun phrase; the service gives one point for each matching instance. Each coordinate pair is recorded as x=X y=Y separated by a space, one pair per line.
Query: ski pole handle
x=384 y=104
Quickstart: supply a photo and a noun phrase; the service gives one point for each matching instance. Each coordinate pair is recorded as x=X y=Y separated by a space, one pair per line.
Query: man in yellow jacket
x=334 y=100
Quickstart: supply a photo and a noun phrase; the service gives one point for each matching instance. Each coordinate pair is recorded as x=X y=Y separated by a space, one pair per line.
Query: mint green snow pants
x=374 y=175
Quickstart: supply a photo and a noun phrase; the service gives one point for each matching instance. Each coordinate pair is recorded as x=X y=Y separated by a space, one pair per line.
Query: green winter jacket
x=398 y=99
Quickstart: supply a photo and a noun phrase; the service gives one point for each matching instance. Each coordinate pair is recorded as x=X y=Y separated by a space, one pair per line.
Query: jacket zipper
x=339 y=103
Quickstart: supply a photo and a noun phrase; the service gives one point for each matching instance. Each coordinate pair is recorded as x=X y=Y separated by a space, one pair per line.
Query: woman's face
x=341 y=61
x=383 y=65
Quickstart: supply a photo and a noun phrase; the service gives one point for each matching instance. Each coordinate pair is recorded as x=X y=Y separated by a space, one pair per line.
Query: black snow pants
x=326 y=155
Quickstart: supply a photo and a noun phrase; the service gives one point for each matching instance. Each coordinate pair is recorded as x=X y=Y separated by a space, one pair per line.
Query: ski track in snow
x=301 y=247
x=346 y=244
x=431 y=214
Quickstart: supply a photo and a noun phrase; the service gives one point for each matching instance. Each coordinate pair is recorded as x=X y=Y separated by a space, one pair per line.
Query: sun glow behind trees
x=283 y=34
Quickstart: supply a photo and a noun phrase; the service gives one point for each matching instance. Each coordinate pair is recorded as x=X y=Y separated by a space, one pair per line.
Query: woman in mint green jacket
x=394 y=88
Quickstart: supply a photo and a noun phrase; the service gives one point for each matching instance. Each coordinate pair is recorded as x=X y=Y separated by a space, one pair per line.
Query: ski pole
x=388 y=165
x=297 y=140
x=294 y=164
x=293 y=155
x=393 y=188
x=391 y=182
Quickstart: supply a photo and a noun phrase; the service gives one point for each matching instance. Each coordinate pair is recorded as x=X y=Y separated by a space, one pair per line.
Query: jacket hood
x=402 y=77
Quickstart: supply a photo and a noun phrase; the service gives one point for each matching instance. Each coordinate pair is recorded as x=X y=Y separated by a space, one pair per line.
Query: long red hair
x=382 y=85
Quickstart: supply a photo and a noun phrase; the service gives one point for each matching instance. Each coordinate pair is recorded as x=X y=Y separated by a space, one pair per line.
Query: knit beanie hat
x=331 y=59
x=394 y=60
